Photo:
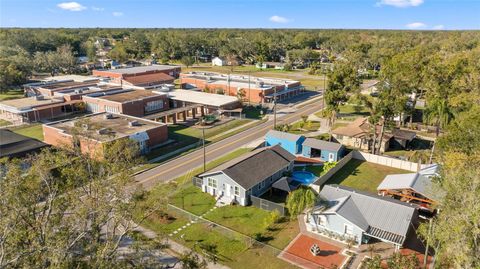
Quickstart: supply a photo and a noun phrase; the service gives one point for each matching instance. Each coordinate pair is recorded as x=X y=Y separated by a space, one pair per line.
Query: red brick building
x=136 y=103
x=253 y=89
x=150 y=76
x=37 y=108
x=95 y=131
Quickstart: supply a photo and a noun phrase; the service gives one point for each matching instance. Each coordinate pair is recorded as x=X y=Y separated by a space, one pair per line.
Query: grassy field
x=310 y=126
x=184 y=136
x=33 y=131
x=311 y=82
x=233 y=250
x=4 y=123
x=363 y=175
x=11 y=94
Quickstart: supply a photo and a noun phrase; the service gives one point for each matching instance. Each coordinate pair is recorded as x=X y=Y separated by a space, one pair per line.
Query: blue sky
x=360 y=14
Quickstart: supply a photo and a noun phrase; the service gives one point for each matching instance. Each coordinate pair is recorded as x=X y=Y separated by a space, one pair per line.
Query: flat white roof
x=76 y=78
x=198 y=97
x=141 y=69
x=22 y=105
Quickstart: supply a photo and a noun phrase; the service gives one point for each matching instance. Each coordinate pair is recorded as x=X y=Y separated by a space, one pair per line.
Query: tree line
x=374 y=47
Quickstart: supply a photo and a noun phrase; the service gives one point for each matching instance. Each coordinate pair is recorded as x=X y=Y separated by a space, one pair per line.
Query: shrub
x=300 y=199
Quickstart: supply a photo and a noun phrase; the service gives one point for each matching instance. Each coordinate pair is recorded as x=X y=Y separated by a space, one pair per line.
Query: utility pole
x=249 y=87
x=274 y=108
x=204 y=151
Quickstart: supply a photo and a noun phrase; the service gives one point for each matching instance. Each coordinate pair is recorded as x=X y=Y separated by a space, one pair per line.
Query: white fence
x=387 y=161
x=382 y=160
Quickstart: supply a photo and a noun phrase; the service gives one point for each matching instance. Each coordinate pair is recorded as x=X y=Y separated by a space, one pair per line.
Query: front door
x=227 y=186
x=331 y=157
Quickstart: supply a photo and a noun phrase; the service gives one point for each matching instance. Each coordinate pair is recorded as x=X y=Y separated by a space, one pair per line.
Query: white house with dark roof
x=251 y=174
x=357 y=215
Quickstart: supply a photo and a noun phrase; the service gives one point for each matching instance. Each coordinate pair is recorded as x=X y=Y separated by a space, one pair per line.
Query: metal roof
x=380 y=213
x=197 y=97
x=321 y=144
x=419 y=182
x=283 y=135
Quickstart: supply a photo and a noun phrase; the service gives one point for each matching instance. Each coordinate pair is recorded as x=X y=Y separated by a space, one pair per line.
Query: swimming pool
x=304 y=177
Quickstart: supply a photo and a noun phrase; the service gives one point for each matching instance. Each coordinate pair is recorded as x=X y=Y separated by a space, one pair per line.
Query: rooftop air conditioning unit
x=108 y=116
x=102 y=131
x=133 y=123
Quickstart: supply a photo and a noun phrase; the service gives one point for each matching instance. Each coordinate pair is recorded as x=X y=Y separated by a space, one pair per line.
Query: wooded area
x=440 y=67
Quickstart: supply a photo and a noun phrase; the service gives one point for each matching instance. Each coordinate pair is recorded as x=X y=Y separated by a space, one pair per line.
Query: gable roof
x=357 y=128
x=250 y=169
x=419 y=182
x=386 y=217
x=403 y=134
x=283 y=135
x=15 y=145
x=321 y=144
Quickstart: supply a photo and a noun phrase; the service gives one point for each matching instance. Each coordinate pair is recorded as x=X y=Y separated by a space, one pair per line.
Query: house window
x=348 y=229
x=212 y=183
x=339 y=137
x=322 y=220
x=262 y=184
x=154 y=105
x=237 y=191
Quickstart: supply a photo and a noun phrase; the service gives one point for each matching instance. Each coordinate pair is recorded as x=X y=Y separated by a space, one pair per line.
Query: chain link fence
x=246 y=241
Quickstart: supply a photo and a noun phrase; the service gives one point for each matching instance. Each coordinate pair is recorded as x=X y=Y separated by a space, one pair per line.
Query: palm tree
x=438 y=112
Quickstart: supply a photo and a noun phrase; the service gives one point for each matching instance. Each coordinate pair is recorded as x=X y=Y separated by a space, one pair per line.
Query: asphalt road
x=179 y=166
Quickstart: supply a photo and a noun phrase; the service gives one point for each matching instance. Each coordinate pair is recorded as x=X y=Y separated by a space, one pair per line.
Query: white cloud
x=98 y=9
x=71 y=6
x=279 y=19
x=117 y=13
x=416 y=25
x=400 y=3
x=438 y=27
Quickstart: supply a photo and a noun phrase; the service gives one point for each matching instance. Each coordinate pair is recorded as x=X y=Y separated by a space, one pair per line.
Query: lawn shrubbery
x=300 y=199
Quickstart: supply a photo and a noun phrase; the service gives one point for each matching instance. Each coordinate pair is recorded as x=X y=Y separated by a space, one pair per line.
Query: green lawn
x=32 y=130
x=11 y=94
x=247 y=220
x=364 y=176
x=234 y=251
x=184 y=136
x=253 y=112
x=192 y=199
x=309 y=126
x=4 y=123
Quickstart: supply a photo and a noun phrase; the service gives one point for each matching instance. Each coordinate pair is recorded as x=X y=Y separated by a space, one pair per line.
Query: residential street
x=186 y=163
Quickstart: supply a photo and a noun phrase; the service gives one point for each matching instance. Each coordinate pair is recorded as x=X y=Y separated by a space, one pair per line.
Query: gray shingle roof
x=403 y=134
x=16 y=145
x=321 y=144
x=283 y=135
x=384 y=215
x=250 y=169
